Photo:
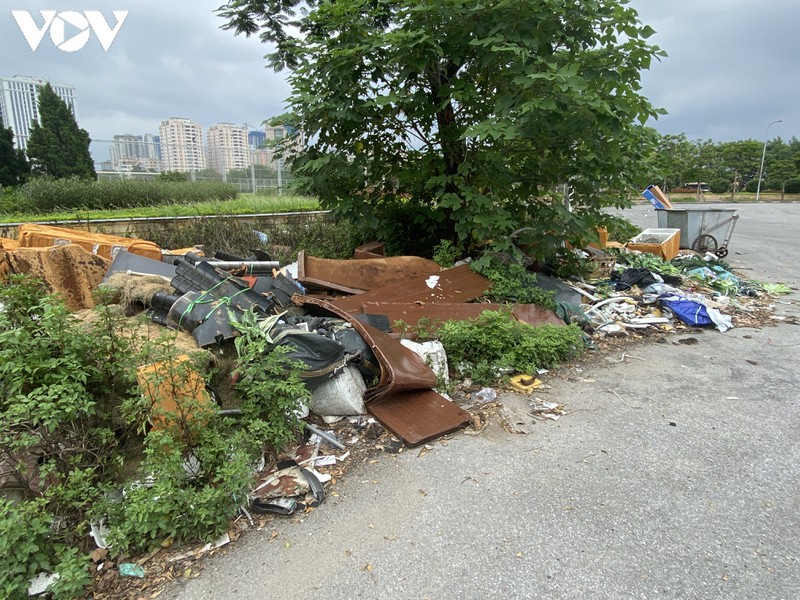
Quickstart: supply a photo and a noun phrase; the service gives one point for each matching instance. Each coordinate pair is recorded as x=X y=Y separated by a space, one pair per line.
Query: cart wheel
x=722 y=252
x=705 y=243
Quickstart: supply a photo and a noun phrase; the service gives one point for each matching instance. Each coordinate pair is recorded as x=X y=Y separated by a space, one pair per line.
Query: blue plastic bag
x=690 y=312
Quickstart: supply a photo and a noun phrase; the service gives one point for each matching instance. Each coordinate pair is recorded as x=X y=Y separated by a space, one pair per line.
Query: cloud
x=730 y=67
x=729 y=73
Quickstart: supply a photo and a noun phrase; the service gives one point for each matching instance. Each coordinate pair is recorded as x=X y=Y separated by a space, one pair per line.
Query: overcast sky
x=730 y=70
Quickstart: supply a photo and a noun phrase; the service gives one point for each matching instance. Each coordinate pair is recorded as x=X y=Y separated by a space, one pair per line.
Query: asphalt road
x=675 y=475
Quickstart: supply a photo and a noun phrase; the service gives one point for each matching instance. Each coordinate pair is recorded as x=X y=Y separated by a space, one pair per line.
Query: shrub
x=45 y=194
x=325 y=238
x=71 y=425
x=620 y=229
x=792 y=186
x=494 y=341
x=12 y=201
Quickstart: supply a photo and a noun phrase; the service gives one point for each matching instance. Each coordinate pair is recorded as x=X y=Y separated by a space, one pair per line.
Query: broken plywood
x=32 y=235
x=67 y=270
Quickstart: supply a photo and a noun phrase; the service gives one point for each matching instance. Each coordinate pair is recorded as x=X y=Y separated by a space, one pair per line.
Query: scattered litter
x=484 y=395
x=131 y=570
x=41 y=583
x=223 y=540
x=325 y=461
x=525 y=383
x=99 y=531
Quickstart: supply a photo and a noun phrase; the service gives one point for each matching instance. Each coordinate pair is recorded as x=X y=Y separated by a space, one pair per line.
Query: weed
x=512 y=282
x=445 y=254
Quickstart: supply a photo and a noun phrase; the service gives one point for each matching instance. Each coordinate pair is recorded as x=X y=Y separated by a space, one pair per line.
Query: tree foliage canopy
x=726 y=166
x=13 y=165
x=57 y=147
x=467 y=114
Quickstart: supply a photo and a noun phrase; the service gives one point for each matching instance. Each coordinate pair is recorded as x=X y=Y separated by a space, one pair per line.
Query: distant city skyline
x=186 y=146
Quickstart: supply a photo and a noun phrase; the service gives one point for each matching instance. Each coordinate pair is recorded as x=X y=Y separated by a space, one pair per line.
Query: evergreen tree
x=57 y=146
x=13 y=165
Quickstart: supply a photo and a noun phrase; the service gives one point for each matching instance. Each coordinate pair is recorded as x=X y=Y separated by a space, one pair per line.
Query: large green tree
x=57 y=147
x=13 y=165
x=471 y=113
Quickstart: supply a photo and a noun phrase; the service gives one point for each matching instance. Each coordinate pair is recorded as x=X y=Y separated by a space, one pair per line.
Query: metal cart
x=702 y=229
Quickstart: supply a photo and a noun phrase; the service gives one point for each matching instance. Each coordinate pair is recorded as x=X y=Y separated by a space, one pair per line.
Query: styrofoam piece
x=340 y=396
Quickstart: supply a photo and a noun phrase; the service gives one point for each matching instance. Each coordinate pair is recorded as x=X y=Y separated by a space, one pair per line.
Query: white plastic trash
x=433 y=354
x=340 y=396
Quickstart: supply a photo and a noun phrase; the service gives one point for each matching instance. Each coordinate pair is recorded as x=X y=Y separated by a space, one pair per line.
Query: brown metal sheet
x=410 y=314
x=420 y=416
x=405 y=379
x=355 y=276
x=370 y=250
x=459 y=284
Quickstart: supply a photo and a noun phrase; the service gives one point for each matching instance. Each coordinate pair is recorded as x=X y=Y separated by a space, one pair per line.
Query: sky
x=730 y=69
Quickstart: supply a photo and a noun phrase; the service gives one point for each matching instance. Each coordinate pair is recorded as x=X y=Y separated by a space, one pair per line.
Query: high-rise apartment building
x=19 y=103
x=273 y=135
x=130 y=152
x=228 y=147
x=256 y=138
x=153 y=144
x=182 y=145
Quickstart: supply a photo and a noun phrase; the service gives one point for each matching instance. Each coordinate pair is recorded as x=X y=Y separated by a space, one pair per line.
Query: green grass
x=243 y=205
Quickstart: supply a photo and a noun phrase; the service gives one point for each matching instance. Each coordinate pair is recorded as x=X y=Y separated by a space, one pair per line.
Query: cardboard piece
x=661 y=242
x=656 y=197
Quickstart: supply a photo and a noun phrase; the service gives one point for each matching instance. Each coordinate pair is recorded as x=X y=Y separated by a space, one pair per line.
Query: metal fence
x=244 y=167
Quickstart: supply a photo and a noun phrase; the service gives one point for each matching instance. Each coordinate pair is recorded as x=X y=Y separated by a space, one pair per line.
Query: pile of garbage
x=640 y=292
x=339 y=318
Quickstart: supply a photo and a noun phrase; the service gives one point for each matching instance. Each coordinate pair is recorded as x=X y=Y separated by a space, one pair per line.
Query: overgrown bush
x=76 y=430
x=27 y=548
x=326 y=238
x=494 y=340
x=12 y=200
x=321 y=237
x=792 y=186
x=199 y=467
x=43 y=194
x=61 y=385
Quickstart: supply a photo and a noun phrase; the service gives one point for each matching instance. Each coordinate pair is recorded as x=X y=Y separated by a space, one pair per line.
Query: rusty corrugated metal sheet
x=411 y=313
x=420 y=416
x=356 y=276
x=402 y=400
x=459 y=284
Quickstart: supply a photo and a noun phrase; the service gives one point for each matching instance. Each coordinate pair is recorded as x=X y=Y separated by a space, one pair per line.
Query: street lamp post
x=763 y=156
